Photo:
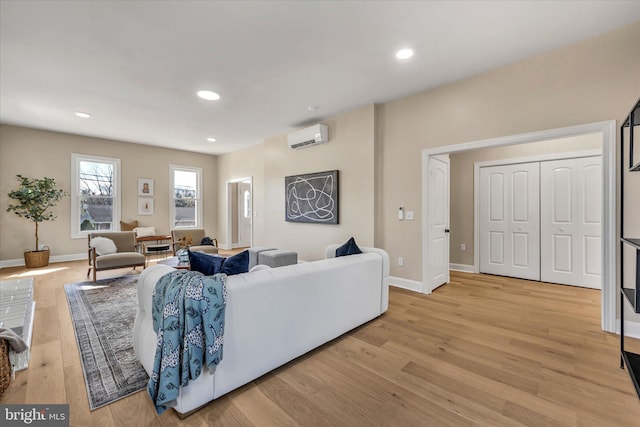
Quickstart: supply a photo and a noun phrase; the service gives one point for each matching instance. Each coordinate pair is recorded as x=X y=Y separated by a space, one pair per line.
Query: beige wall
x=461 y=183
x=591 y=81
x=37 y=153
x=247 y=163
x=350 y=150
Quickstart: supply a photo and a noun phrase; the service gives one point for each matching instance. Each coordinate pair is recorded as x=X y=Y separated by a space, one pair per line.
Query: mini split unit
x=313 y=135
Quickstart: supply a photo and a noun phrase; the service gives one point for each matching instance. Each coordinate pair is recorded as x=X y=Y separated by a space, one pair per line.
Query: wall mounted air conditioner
x=316 y=134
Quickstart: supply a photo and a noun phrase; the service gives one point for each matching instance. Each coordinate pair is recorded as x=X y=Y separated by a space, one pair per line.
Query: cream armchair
x=126 y=254
x=192 y=238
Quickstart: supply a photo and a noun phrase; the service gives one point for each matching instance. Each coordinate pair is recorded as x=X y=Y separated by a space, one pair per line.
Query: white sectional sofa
x=276 y=315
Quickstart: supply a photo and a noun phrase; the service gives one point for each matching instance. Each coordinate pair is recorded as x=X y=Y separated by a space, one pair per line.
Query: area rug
x=103 y=314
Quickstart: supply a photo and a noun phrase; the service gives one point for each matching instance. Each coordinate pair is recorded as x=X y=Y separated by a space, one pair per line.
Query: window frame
x=76 y=232
x=198 y=198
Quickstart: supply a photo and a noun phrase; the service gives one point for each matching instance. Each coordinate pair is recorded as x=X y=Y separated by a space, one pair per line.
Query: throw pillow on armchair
x=128 y=226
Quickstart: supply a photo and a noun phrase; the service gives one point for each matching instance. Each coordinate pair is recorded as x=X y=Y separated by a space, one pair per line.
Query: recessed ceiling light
x=210 y=139
x=404 y=53
x=313 y=107
x=82 y=114
x=208 y=95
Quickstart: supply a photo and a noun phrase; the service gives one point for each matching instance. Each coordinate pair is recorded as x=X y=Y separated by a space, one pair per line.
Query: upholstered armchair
x=114 y=249
x=192 y=238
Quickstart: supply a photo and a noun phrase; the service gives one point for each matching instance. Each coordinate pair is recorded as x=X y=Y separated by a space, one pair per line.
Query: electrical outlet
x=400 y=261
x=463 y=247
x=410 y=215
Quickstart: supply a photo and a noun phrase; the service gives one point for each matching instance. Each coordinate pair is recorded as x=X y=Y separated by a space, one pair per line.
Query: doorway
x=239 y=213
x=244 y=214
x=607 y=131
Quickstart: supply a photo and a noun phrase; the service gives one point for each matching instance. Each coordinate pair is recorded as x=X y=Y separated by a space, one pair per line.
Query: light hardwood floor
x=481 y=350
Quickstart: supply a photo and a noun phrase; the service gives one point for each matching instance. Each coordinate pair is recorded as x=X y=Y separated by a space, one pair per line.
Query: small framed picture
x=145 y=206
x=145 y=187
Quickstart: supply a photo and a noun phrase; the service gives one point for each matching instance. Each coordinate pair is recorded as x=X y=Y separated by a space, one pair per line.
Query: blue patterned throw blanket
x=188 y=316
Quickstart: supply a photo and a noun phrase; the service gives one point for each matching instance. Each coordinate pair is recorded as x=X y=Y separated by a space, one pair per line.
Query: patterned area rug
x=103 y=314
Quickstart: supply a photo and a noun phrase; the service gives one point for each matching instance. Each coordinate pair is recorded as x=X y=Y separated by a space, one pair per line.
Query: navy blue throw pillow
x=205 y=263
x=236 y=264
x=349 y=248
x=207 y=241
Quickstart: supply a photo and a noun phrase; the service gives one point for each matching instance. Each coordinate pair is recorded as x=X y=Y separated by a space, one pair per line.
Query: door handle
x=446 y=230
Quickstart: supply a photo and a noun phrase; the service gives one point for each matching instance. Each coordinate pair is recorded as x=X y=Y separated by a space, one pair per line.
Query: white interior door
x=571 y=209
x=244 y=214
x=510 y=220
x=238 y=235
x=438 y=170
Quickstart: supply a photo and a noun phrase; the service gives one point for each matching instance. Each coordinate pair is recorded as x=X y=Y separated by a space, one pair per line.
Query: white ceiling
x=135 y=66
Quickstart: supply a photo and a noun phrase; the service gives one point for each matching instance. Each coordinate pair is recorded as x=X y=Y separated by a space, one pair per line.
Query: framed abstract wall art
x=312 y=198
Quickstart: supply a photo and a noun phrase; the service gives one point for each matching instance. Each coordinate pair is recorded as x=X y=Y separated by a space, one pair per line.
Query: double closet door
x=542 y=221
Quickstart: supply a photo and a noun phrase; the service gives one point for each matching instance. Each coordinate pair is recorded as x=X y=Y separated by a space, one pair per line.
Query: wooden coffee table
x=175 y=263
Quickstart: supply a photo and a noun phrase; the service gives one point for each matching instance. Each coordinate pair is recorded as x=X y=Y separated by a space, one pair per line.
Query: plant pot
x=35 y=259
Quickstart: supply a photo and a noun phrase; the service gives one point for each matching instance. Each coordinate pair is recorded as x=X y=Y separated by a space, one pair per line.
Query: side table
x=159 y=247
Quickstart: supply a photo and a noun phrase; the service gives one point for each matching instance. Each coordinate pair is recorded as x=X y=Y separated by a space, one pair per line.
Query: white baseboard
x=631 y=329
x=11 y=263
x=52 y=259
x=411 y=285
x=461 y=267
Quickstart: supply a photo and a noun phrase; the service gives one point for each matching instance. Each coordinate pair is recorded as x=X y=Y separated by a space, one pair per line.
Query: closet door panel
x=571 y=206
x=509 y=220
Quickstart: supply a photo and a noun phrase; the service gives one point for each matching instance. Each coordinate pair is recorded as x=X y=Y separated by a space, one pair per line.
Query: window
x=186 y=202
x=247 y=204
x=95 y=194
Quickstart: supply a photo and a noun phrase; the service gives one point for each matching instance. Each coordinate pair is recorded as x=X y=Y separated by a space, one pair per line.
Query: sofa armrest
x=146 y=284
x=330 y=252
x=144 y=338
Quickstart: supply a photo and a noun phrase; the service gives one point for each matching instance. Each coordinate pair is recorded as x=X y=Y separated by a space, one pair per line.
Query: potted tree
x=35 y=198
